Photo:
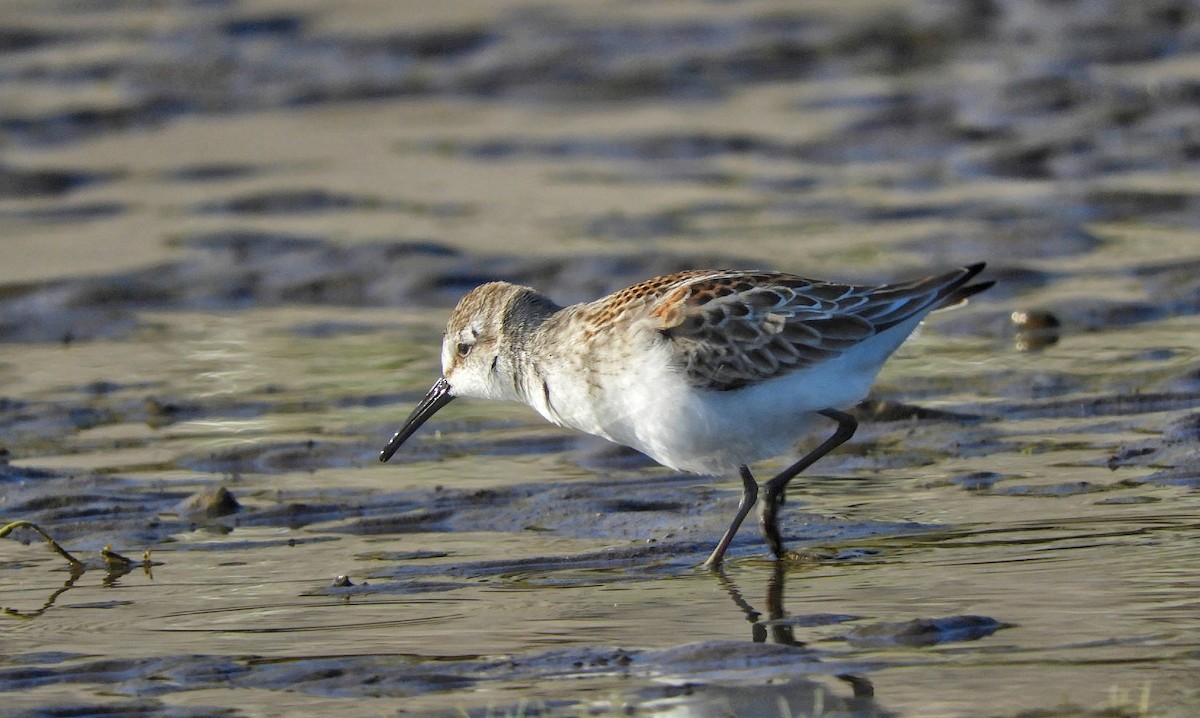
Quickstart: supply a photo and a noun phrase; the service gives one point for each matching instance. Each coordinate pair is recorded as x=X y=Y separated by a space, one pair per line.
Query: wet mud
x=230 y=233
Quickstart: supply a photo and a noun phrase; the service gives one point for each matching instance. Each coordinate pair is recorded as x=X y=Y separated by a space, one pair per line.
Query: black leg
x=774 y=489
x=749 y=496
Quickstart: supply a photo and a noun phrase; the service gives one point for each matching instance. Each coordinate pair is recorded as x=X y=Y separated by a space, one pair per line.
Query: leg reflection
x=778 y=626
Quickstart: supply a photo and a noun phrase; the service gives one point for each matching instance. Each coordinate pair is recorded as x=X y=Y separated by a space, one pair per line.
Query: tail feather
x=893 y=304
x=957 y=293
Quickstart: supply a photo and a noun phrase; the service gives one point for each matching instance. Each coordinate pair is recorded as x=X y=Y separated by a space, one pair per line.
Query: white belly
x=650 y=407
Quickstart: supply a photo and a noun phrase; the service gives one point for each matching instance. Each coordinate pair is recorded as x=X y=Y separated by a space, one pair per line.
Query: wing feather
x=733 y=328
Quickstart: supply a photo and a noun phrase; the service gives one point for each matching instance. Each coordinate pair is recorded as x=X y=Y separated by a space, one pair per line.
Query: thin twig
x=76 y=564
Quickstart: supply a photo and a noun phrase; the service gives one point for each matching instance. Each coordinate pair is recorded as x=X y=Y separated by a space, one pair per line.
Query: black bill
x=437 y=397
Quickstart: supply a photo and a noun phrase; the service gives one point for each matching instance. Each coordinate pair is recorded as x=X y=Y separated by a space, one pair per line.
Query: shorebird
x=704 y=371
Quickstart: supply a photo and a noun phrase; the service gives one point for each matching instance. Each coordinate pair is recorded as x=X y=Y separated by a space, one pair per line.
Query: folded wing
x=733 y=328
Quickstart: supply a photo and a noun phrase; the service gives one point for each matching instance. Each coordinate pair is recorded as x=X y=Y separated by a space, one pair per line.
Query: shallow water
x=230 y=234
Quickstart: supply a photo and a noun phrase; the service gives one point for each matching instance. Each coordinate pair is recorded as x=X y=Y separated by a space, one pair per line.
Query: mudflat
x=230 y=235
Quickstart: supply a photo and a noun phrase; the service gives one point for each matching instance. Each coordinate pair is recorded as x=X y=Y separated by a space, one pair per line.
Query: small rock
x=210 y=504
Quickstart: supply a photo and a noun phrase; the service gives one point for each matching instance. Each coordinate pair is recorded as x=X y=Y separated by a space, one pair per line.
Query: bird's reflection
x=776 y=626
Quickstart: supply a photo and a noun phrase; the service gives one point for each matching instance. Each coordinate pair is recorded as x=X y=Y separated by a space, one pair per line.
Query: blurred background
x=841 y=137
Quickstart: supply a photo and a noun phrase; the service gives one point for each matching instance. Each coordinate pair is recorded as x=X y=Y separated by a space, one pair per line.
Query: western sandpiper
x=703 y=371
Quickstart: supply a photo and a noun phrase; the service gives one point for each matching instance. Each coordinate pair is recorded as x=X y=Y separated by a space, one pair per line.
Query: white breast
x=636 y=398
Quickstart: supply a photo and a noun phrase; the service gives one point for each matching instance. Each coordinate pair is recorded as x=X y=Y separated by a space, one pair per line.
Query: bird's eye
x=464 y=349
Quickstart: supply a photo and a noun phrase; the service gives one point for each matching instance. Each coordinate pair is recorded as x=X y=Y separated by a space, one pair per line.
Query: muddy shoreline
x=230 y=233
